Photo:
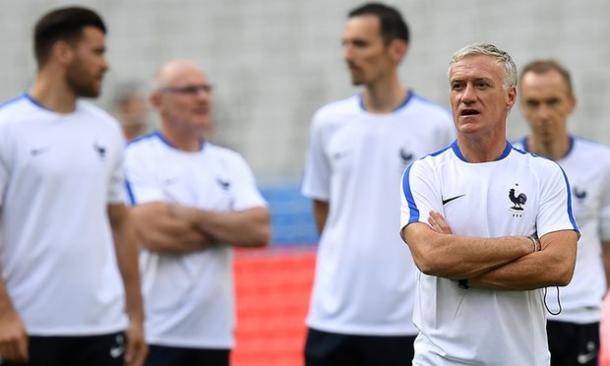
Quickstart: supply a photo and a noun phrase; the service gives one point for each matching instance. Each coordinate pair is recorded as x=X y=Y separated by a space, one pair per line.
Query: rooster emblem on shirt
x=517 y=200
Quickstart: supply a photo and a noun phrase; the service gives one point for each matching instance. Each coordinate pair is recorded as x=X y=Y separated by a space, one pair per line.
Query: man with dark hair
x=362 y=302
x=64 y=248
x=547 y=101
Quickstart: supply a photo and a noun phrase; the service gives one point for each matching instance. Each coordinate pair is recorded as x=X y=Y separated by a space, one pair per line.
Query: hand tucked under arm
x=438 y=252
x=159 y=229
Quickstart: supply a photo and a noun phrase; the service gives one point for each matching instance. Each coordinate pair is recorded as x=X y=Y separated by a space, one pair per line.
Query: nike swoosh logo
x=339 y=155
x=39 y=150
x=583 y=359
x=115 y=352
x=446 y=201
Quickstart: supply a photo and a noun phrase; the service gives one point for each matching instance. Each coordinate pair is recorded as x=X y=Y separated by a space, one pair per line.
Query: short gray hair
x=487 y=49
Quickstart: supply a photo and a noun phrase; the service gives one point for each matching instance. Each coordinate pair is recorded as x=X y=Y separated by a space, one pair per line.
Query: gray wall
x=274 y=62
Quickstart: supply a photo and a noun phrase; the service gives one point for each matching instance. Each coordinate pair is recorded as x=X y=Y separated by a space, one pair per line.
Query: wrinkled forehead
x=476 y=67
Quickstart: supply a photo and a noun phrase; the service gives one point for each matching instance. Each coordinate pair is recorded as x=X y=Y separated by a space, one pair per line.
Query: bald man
x=192 y=202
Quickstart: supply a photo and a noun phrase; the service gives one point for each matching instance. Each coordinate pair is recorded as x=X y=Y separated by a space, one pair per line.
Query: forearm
x=526 y=273
x=247 y=228
x=158 y=230
x=606 y=259
x=553 y=266
x=467 y=257
x=460 y=257
x=127 y=259
x=6 y=305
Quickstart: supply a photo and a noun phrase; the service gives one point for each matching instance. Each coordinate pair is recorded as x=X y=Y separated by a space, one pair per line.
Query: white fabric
x=587 y=165
x=58 y=173
x=365 y=276
x=189 y=298
x=476 y=326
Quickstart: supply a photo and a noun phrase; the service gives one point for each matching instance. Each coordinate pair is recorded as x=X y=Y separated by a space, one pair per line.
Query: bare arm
x=245 y=228
x=460 y=257
x=552 y=266
x=160 y=230
x=126 y=252
x=320 y=213
x=606 y=258
x=13 y=337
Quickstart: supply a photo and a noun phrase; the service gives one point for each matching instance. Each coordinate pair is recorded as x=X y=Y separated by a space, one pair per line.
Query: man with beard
x=363 y=294
x=68 y=270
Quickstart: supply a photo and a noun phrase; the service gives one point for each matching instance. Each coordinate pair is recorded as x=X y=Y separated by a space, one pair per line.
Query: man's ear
x=155 y=99
x=398 y=49
x=62 y=52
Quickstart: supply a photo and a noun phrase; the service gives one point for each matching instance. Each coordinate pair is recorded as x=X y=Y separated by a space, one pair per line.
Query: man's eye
x=456 y=86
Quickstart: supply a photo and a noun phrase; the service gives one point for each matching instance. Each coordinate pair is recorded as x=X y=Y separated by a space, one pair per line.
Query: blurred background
x=274 y=62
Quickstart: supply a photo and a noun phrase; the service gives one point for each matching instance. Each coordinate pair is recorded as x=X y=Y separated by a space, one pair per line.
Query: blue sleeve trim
x=406 y=188
x=570 y=214
x=130 y=195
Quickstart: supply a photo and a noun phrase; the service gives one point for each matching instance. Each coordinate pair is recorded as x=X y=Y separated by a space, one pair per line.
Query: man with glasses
x=192 y=202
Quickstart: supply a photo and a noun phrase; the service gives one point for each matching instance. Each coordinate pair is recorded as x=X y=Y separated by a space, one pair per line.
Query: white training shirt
x=519 y=194
x=365 y=276
x=58 y=173
x=587 y=165
x=189 y=297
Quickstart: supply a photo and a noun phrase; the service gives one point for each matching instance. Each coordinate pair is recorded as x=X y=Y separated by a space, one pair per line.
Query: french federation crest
x=518 y=201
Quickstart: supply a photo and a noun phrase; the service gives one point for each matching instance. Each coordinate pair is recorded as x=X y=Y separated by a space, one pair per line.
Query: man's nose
x=543 y=112
x=348 y=53
x=469 y=94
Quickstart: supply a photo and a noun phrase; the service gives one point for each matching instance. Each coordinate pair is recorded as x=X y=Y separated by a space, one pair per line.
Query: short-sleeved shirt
x=58 y=173
x=517 y=195
x=365 y=276
x=189 y=297
x=587 y=165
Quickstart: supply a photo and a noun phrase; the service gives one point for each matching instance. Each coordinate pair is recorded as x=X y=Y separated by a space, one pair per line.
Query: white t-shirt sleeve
x=116 y=188
x=245 y=192
x=141 y=182
x=316 y=180
x=555 y=211
x=604 y=215
x=3 y=165
x=419 y=194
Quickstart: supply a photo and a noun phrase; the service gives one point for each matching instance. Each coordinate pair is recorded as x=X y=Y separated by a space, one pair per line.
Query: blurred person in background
x=131 y=110
x=489 y=227
x=547 y=101
x=68 y=271
x=193 y=201
x=362 y=302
